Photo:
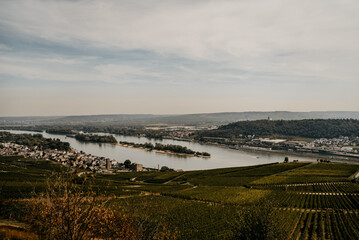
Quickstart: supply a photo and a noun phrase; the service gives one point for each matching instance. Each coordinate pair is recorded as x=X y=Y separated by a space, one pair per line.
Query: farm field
x=310 y=200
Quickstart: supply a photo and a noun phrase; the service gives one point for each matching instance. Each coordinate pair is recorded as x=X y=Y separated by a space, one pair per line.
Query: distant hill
x=184 y=119
x=27 y=120
x=111 y=118
x=229 y=117
x=308 y=128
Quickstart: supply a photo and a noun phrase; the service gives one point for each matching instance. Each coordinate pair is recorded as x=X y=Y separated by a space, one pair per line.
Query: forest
x=71 y=129
x=309 y=128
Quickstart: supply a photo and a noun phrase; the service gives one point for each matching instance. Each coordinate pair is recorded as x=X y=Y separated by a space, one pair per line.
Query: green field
x=321 y=172
x=312 y=200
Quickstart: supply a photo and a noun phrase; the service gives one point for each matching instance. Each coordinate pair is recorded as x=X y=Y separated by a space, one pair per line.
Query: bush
x=70 y=211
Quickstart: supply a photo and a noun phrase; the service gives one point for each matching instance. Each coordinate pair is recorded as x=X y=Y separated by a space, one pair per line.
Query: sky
x=175 y=57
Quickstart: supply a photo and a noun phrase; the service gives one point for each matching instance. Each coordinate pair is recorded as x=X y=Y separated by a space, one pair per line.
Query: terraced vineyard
x=216 y=194
x=312 y=173
x=321 y=225
x=312 y=200
x=305 y=200
x=319 y=201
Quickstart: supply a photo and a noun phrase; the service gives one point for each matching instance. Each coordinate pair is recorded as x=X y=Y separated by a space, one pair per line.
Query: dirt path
x=345 y=211
x=327 y=193
x=13 y=224
x=169 y=181
x=307 y=184
x=190 y=188
x=132 y=186
x=354 y=175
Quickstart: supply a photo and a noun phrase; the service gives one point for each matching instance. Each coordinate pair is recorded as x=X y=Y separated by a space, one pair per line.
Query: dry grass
x=12 y=232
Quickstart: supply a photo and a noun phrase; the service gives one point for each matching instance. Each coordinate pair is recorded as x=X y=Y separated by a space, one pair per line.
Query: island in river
x=94 y=138
x=165 y=148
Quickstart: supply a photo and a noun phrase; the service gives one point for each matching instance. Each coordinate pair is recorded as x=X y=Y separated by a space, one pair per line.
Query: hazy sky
x=185 y=56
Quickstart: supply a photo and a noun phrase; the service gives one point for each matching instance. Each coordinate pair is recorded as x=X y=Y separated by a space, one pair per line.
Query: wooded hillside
x=309 y=128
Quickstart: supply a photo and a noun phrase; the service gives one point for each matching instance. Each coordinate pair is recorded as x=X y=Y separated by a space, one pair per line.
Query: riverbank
x=221 y=156
x=161 y=151
x=331 y=157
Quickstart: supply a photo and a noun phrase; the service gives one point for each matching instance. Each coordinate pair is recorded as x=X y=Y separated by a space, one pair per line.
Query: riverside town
x=71 y=158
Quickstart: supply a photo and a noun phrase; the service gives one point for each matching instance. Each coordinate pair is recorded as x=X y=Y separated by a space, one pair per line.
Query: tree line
x=59 y=130
x=309 y=128
x=166 y=147
x=32 y=140
x=95 y=138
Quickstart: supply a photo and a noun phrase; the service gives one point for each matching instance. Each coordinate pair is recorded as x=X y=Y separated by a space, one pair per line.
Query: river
x=221 y=157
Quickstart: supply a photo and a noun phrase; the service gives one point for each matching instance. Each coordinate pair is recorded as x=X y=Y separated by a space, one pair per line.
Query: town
x=342 y=146
x=74 y=159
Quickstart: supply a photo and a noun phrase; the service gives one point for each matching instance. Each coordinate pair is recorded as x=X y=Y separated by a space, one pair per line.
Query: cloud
x=4 y=47
x=81 y=69
x=297 y=38
x=127 y=71
x=199 y=29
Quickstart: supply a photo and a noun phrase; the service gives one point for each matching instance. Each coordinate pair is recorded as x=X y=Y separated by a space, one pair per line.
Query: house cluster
x=180 y=134
x=341 y=144
x=341 y=141
x=281 y=143
x=338 y=146
x=72 y=158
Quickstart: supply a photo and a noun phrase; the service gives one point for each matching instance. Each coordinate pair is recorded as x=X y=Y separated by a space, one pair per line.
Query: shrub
x=70 y=211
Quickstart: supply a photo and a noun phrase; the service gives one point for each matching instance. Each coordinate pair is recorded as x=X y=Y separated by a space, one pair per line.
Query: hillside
x=186 y=119
x=308 y=128
x=307 y=200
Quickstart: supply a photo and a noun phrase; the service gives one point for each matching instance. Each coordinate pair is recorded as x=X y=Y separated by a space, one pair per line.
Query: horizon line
x=174 y=114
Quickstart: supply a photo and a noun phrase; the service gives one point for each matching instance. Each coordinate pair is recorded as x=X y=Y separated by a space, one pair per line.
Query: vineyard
x=234 y=195
x=312 y=173
x=321 y=225
x=318 y=208
x=334 y=187
x=310 y=200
